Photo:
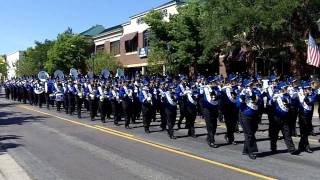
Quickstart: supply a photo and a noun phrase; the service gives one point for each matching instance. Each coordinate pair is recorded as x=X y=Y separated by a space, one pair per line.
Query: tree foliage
x=204 y=28
x=69 y=51
x=34 y=58
x=3 y=66
x=176 y=43
x=103 y=61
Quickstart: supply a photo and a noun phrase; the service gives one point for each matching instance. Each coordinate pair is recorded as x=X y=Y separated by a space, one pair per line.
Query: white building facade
x=12 y=60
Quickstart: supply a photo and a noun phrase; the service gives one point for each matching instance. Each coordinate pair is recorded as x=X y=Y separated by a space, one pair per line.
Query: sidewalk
x=10 y=169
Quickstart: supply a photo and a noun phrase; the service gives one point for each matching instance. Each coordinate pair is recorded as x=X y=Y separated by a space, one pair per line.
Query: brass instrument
x=39 y=89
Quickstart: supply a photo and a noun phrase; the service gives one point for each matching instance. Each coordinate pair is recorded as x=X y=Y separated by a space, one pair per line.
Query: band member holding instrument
x=210 y=109
x=147 y=102
x=170 y=102
x=71 y=97
x=294 y=105
x=102 y=95
x=181 y=88
x=125 y=93
x=58 y=91
x=191 y=104
x=79 y=96
x=281 y=104
x=229 y=107
x=306 y=106
x=114 y=97
x=249 y=103
x=93 y=101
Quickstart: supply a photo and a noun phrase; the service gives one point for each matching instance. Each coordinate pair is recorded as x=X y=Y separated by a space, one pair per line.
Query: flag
x=313 y=52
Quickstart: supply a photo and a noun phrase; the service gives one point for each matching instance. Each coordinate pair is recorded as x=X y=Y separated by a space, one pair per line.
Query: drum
x=59 y=97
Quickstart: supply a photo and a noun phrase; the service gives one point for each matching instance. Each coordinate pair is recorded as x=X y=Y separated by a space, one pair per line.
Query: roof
x=161 y=6
x=108 y=30
x=94 y=30
x=112 y=28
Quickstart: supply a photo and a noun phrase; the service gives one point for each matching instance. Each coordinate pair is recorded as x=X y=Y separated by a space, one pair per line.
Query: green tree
x=103 y=61
x=176 y=43
x=26 y=66
x=3 y=66
x=69 y=51
x=257 y=25
x=159 y=43
x=34 y=58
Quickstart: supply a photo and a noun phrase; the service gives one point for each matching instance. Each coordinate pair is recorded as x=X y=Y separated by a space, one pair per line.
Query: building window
x=146 y=35
x=132 y=45
x=115 y=48
x=100 y=48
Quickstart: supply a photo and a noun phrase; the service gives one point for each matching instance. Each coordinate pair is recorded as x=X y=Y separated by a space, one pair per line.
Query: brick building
x=129 y=41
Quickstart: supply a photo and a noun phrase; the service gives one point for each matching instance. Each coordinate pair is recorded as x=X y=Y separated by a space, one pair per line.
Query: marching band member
x=59 y=94
x=147 y=102
x=269 y=94
x=71 y=97
x=306 y=105
x=115 y=103
x=93 y=101
x=136 y=102
x=65 y=96
x=294 y=105
x=79 y=96
x=39 y=90
x=191 y=109
x=161 y=98
x=170 y=102
x=102 y=95
x=126 y=93
x=281 y=104
x=211 y=109
x=181 y=88
x=229 y=107
x=249 y=105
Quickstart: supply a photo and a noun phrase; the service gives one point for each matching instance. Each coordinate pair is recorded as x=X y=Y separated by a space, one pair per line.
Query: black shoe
x=103 y=121
x=312 y=133
x=308 y=150
x=173 y=137
x=163 y=129
x=117 y=124
x=245 y=153
x=295 y=152
x=252 y=156
x=79 y=116
x=179 y=126
x=127 y=127
x=213 y=145
x=234 y=143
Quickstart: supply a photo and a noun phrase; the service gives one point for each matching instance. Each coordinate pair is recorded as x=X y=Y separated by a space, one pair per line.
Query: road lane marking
x=159 y=146
x=115 y=131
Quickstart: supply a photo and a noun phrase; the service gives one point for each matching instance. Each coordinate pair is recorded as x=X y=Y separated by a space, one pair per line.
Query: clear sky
x=24 y=21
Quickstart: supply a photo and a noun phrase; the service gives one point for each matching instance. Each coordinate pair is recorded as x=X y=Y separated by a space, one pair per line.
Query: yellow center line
x=115 y=131
x=159 y=146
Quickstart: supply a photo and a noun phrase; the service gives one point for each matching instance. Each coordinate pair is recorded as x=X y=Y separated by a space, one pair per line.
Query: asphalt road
x=52 y=145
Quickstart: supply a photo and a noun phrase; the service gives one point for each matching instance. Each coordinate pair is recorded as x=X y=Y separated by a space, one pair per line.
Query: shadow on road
x=5 y=143
x=11 y=118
